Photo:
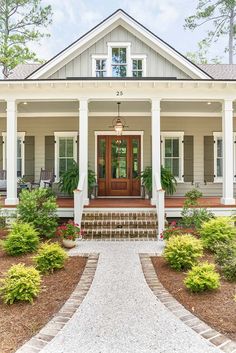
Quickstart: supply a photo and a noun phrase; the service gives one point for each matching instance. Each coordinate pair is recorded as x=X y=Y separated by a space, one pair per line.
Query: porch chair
x=46 y=179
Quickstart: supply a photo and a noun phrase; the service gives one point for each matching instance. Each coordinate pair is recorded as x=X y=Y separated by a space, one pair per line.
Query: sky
x=72 y=18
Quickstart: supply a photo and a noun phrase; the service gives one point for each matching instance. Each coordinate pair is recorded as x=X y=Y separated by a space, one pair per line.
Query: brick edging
x=52 y=328
x=205 y=331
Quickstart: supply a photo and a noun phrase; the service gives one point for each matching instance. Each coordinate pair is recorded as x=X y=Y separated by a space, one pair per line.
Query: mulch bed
x=20 y=321
x=217 y=308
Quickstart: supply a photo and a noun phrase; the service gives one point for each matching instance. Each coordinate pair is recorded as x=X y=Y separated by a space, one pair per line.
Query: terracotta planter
x=67 y=243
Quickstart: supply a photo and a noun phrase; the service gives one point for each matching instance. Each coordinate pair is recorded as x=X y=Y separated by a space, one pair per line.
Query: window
x=119 y=62
x=137 y=67
x=65 y=151
x=218 y=156
x=20 y=153
x=100 y=67
x=172 y=153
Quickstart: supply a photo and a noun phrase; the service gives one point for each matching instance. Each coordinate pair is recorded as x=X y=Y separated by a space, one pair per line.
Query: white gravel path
x=120 y=314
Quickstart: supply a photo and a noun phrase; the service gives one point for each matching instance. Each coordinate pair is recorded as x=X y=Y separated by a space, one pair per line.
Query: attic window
x=100 y=67
x=119 y=62
x=137 y=67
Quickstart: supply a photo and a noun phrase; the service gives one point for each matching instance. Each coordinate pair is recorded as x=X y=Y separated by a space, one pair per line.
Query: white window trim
x=98 y=57
x=22 y=137
x=217 y=135
x=126 y=45
x=180 y=135
x=57 y=135
x=144 y=63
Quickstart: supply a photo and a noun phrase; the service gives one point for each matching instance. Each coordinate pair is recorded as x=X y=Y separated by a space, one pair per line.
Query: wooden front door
x=118 y=165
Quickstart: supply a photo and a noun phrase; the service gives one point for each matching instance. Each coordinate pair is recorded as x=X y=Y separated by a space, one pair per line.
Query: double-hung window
x=99 y=65
x=119 y=62
x=20 y=153
x=65 y=151
x=218 y=156
x=172 y=153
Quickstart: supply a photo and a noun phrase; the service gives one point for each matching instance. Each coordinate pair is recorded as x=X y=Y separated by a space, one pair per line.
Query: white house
x=172 y=113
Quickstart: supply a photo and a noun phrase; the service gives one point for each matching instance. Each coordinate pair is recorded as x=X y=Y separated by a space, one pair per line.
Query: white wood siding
x=157 y=65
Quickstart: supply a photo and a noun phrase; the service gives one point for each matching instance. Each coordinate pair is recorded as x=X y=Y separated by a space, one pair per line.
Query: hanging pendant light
x=118 y=123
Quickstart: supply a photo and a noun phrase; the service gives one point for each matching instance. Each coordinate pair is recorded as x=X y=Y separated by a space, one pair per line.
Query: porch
x=173 y=205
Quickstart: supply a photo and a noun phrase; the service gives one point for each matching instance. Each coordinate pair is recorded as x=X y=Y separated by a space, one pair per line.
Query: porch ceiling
x=111 y=107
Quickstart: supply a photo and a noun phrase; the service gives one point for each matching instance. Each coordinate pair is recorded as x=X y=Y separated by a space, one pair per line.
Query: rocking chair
x=46 y=179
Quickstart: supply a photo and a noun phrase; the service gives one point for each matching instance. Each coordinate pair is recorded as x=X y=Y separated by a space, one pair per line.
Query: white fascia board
x=119 y=18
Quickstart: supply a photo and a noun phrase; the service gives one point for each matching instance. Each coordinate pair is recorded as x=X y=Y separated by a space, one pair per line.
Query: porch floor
x=170 y=202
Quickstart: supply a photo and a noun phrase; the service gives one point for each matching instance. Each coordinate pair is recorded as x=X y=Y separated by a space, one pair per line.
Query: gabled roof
x=119 y=17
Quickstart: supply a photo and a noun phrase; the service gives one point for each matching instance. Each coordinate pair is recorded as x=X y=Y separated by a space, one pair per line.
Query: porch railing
x=79 y=197
x=160 y=207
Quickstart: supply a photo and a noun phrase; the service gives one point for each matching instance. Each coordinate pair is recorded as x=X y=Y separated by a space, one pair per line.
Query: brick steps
x=117 y=225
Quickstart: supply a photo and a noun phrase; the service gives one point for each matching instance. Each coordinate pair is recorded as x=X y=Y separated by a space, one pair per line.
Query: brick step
x=120 y=233
x=118 y=226
x=119 y=216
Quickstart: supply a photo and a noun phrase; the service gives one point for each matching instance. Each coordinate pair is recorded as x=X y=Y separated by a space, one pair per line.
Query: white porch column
x=156 y=148
x=83 y=144
x=228 y=153
x=11 y=153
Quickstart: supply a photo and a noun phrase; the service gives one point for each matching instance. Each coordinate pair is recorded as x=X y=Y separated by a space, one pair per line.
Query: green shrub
x=225 y=257
x=202 y=277
x=22 y=239
x=195 y=217
x=218 y=230
x=50 y=257
x=21 y=283
x=39 y=208
x=192 y=197
x=225 y=251
x=229 y=269
x=183 y=251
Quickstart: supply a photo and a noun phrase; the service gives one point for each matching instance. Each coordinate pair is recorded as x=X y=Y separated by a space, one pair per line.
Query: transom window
x=172 y=154
x=65 y=151
x=137 y=67
x=100 y=67
x=119 y=62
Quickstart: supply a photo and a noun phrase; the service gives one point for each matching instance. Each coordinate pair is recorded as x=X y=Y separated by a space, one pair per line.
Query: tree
x=200 y=56
x=21 y=23
x=221 y=14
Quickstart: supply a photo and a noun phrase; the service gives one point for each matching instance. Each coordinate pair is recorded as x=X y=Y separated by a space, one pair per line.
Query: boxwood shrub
x=21 y=283
x=183 y=251
x=217 y=230
x=202 y=277
x=50 y=257
x=22 y=239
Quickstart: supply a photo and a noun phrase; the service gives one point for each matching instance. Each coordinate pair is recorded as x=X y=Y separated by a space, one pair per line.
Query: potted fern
x=70 y=178
x=168 y=181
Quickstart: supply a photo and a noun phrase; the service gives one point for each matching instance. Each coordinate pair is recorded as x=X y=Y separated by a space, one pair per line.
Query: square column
x=228 y=153
x=83 y=144
x=156 y=148
x=11 y=153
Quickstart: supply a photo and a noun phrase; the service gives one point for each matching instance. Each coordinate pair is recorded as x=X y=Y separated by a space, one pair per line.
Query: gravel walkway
x=120 y=314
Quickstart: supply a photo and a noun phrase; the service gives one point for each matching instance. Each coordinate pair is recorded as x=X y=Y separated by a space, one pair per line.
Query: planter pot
x=67 y=243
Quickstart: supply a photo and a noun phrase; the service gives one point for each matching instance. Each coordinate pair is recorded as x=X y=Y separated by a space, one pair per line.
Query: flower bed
x=22 y=320
x=208 y=305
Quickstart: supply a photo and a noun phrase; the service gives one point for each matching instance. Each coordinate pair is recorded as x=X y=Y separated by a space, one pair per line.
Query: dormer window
x=137 y=67
x=119 y=62
x=100 y=67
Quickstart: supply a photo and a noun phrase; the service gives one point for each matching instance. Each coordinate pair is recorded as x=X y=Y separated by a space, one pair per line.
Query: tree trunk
x=231 y=35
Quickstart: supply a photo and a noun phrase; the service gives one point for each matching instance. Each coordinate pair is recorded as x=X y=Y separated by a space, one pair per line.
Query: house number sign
x=119 y=93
